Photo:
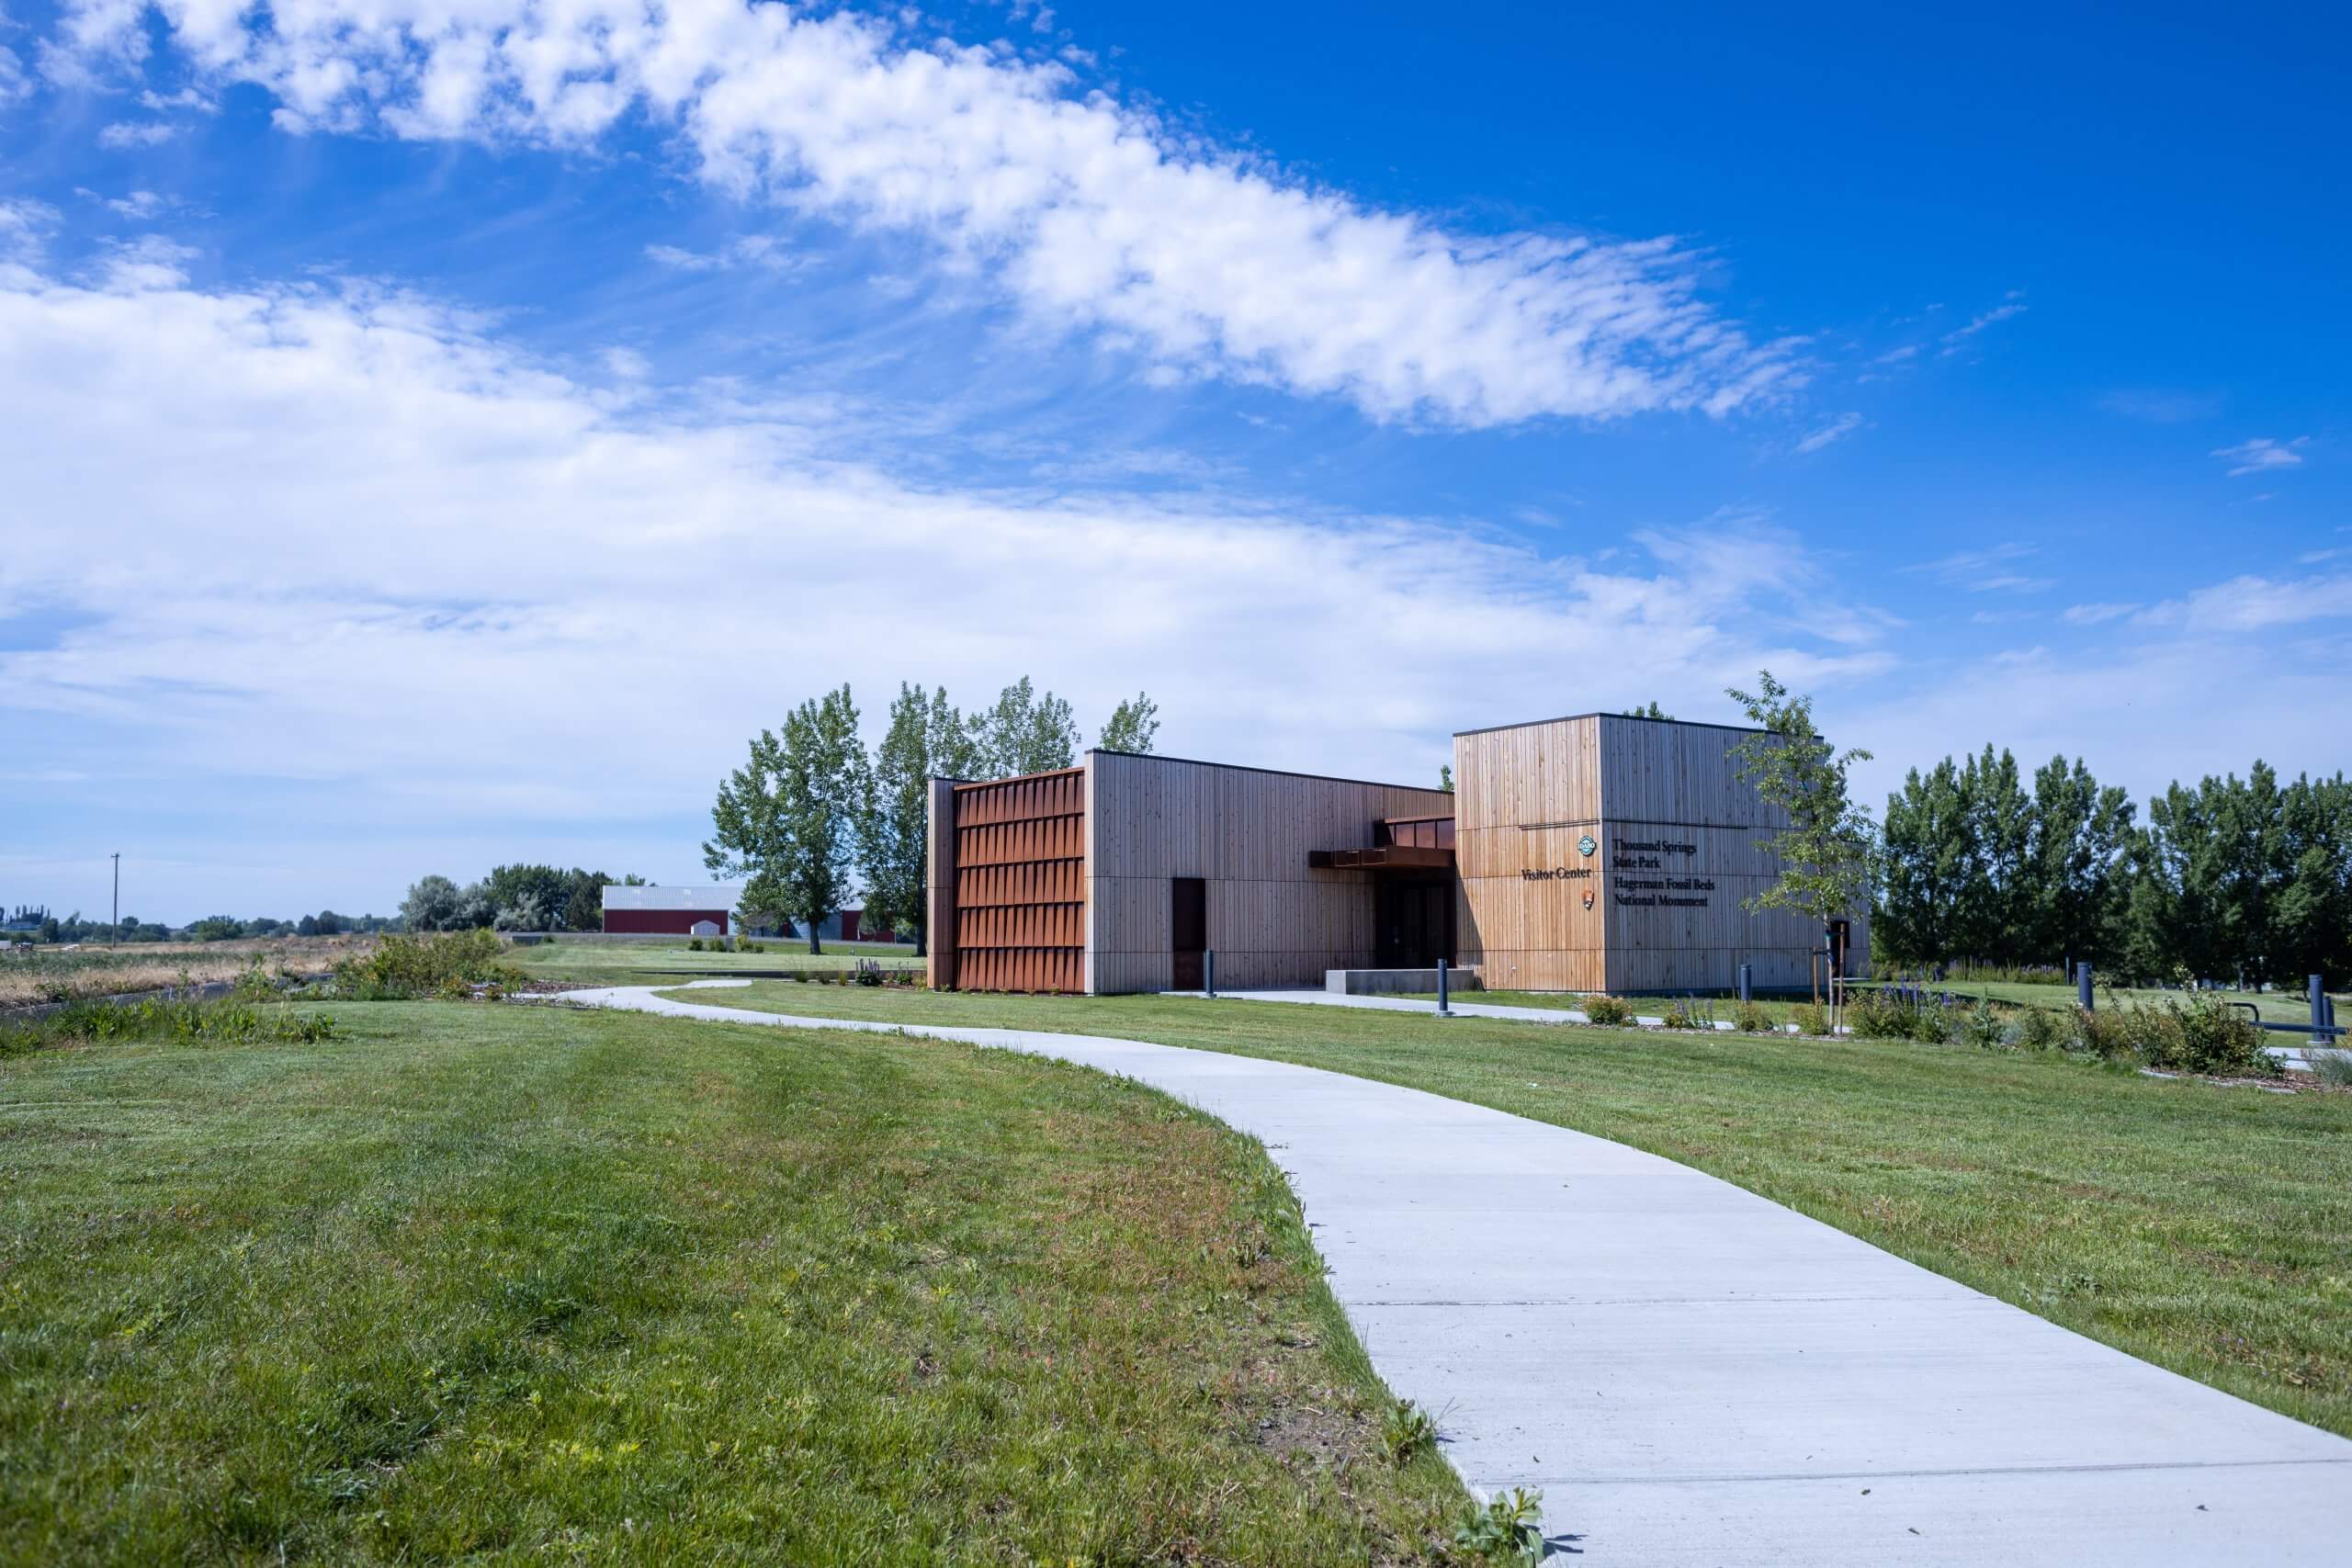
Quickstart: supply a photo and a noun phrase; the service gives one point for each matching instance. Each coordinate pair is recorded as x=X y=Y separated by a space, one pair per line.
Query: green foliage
x=1023 y=733
x=166 y=1020
x=1445 y=777
x=2040 y=1028
x=1651 y=711
x=1752 y=1019
x=410 y=968
x=925 y=739
x=694 y=945
x=786 y=823
x=1132 y=726
x=1811 y=1019
x=1681 y=1014
x=1407 y=1431
x=1509 y=1529
x=2332 y=1068
x=1825 y=850
x=1608 y=1009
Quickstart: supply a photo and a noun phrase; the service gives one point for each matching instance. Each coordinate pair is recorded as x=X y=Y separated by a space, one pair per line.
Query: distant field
x=2207 y=1229
x=481 y=1283
x=53 y=975
x=622 y=964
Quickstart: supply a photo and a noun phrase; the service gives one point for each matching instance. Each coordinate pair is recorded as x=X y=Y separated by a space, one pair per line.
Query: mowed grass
x=2207 y=1229
x=649 y=963
x=498 y=1284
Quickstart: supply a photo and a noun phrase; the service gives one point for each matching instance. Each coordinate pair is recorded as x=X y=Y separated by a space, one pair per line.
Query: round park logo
x=1585 y=846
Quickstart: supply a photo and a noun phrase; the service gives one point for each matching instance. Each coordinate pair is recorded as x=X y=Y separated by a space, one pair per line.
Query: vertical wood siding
x=1271 y=919
x=1019 y=883
x=1530 y=793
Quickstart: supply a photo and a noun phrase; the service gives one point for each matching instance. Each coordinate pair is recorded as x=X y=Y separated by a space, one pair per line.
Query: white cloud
x=1957 y=339
x=2096 y=614
x=2161 y=407
x=137 y=133
x=2262 y=453
x=1837 y=429
x=2253 y=603
x=761 y=251
x=1092 y=215
x=140 y=204
x=1985 y=570
x=24 y=226
x=324 y=540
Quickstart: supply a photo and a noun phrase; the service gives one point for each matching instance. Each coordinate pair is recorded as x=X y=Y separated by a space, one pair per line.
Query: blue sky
x=441 y=432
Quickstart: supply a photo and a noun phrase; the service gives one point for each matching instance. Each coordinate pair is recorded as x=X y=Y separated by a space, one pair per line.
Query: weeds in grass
x=1508 y=1530
x=2038 y=1029
x=2332 y=1068
x=226 y=1022
x=1810 y=1019
x=1407 y=1431
x=1608 y=1009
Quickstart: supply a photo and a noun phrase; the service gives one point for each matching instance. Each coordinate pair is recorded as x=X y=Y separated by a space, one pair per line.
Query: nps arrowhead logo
x=1585 y=846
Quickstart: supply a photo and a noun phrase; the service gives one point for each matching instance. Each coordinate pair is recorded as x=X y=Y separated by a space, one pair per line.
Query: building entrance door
x=1413 y=920
x=1188 y=926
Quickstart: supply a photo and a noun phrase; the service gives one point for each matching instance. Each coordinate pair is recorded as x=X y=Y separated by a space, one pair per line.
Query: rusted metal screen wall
x=1021 y=884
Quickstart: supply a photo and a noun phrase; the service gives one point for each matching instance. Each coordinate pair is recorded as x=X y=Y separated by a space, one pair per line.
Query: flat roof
x=1639 y=717
x=680 y=897
x=1278 y=772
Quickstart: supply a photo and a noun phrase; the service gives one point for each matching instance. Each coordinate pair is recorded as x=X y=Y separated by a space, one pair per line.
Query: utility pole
x=114 y=927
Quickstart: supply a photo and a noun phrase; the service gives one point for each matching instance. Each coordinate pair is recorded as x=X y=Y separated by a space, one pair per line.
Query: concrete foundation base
x=1380 y=982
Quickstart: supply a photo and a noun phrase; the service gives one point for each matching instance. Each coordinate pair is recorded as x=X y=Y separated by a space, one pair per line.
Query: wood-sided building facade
x=1123 y=872
x=1591 y=854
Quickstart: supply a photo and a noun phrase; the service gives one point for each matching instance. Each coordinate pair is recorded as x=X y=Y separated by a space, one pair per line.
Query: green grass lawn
x=2277 y=1006
x=506 y=1282
x=2207 y=1229
x=650 y=962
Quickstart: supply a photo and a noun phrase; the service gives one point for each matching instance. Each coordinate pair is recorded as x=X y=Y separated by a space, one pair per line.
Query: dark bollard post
x=1442 y=1008
x=1208 y=971
x=1747 y=982
x=2319 y=1013
x=2083 y=985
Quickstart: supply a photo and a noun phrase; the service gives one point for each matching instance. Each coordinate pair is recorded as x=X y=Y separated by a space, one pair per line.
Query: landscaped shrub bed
x=447 y=964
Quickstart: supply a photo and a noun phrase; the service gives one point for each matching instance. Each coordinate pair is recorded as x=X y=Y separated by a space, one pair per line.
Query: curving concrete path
x=1697 y=1376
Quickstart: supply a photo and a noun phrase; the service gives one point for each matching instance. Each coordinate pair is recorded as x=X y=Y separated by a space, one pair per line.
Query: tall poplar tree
x=1024 y=732
x=786 y=823
x=926 y=739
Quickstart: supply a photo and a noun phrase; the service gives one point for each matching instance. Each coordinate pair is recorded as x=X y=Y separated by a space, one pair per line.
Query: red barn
x=671 y=911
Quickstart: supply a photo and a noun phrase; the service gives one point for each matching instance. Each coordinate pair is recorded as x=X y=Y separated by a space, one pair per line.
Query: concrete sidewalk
x=1696 y=1376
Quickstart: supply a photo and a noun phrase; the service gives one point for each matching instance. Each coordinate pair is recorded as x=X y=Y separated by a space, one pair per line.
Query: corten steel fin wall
x=1273 y=920
x=1020 y=881
x=1674 y=834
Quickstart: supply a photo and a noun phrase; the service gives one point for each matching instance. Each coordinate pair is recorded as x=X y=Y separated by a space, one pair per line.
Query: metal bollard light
x=2083 y=985
x=1443 y=1008
x=2319 y=1013
x=1747 y=982
x=1208 y=971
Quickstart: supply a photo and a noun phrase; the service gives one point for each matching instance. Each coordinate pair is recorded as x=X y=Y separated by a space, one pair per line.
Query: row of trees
x=518 y=897
x=47 y=927
x=809 y=808
x=2233 y=877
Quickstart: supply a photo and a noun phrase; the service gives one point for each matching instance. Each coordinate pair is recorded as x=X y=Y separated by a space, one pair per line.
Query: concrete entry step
x=1385 y=982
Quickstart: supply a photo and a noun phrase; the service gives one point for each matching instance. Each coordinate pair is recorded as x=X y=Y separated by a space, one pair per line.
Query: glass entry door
x=1413 y=921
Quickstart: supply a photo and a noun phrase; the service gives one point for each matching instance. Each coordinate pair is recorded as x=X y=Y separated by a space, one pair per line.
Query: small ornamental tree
x=1826 y=849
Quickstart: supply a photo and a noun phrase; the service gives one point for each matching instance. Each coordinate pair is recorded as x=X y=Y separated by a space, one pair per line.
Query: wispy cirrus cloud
x=1992 y=571
x=2096 y=614
x=2263 y=455
x=2159 y=407
x=1092 y=215
x=2012 y=305
x=1837 y=430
